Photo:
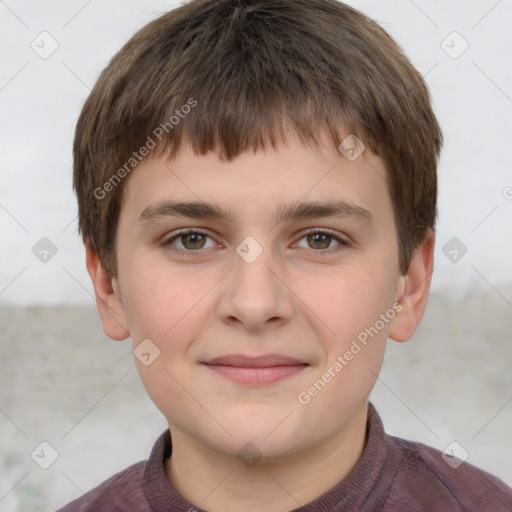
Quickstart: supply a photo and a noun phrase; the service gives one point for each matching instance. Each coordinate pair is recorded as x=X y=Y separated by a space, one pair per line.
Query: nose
x=255 y=296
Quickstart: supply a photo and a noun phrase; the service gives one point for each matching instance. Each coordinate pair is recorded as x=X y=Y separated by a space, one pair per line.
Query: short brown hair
x=251 y=71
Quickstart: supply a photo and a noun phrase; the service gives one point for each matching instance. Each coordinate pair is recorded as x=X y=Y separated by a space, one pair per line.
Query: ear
x=108 y=299
x=413 y=291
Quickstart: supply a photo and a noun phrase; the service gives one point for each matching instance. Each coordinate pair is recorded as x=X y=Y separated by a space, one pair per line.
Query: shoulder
x=122 y=492
x=425 y=479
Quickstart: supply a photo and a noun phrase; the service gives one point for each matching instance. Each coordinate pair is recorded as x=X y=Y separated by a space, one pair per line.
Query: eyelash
x=342 y=243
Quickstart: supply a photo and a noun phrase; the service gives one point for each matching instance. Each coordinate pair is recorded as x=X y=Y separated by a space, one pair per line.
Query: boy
x=257 y=195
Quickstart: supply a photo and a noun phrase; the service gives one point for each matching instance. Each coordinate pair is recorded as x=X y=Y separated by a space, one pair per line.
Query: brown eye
x=193 y=241
x=319 y=240
x=190 y=241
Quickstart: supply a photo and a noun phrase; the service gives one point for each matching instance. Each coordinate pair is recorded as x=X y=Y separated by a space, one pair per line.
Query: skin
x=291 y=300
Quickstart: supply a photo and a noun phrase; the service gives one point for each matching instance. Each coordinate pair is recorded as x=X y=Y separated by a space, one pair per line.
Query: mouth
x=260 y=370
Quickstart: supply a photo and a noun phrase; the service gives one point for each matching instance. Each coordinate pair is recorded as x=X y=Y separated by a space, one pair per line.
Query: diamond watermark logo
x=45 y=45
x=454 y=45
x=249 y=455
x=249 y=249
x=454 y=249
x=146 y=352
x=454 y=454
x=44 y=455
x=352 y=147
x=44 y=250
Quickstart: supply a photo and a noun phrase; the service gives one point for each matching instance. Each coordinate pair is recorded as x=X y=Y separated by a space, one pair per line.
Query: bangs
x=253 y=81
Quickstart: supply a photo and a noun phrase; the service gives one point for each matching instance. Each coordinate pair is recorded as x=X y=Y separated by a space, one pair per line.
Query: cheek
x=348 y=302
x=156 y=298
x=351 y=305
x=168 y=315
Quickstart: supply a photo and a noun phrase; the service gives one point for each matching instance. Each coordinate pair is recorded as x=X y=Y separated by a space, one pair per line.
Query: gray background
x=62 y=381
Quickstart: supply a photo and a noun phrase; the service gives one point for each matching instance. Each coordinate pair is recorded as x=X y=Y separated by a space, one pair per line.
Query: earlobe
x=413 y=290
x=108 y=299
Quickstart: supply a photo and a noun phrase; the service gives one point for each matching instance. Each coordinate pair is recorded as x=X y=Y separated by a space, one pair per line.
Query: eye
x=321 y=241
x=190 y=240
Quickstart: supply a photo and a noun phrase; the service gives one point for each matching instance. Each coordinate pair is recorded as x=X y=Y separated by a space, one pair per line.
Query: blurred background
x=64 y=383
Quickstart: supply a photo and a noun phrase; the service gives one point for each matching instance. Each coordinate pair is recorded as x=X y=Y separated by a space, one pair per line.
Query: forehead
x=264 y=183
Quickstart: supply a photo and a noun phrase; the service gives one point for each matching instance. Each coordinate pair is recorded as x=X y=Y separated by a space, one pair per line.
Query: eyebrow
x=299 y=210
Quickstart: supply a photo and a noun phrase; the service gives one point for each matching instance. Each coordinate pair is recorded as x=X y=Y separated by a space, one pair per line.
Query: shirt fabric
x=392 y=475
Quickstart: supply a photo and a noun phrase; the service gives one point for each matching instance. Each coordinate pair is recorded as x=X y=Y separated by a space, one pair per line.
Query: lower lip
x=255 y=376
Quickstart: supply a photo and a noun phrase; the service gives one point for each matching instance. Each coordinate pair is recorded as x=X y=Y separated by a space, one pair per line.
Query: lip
x=259 y=370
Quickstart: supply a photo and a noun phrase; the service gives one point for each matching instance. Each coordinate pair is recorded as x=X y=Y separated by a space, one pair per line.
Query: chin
x=274 y=436
x=260 y=449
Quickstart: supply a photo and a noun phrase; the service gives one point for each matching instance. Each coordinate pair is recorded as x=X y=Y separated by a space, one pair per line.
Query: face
x=268 y=284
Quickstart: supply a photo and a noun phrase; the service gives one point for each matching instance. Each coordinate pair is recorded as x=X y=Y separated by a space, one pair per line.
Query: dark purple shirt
x=392 y=475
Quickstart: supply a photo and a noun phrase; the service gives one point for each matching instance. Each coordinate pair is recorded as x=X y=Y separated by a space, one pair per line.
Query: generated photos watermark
x=357 y=345
x=151 y=143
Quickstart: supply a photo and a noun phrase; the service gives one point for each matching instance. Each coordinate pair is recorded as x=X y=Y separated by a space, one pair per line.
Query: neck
x=217 y=482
